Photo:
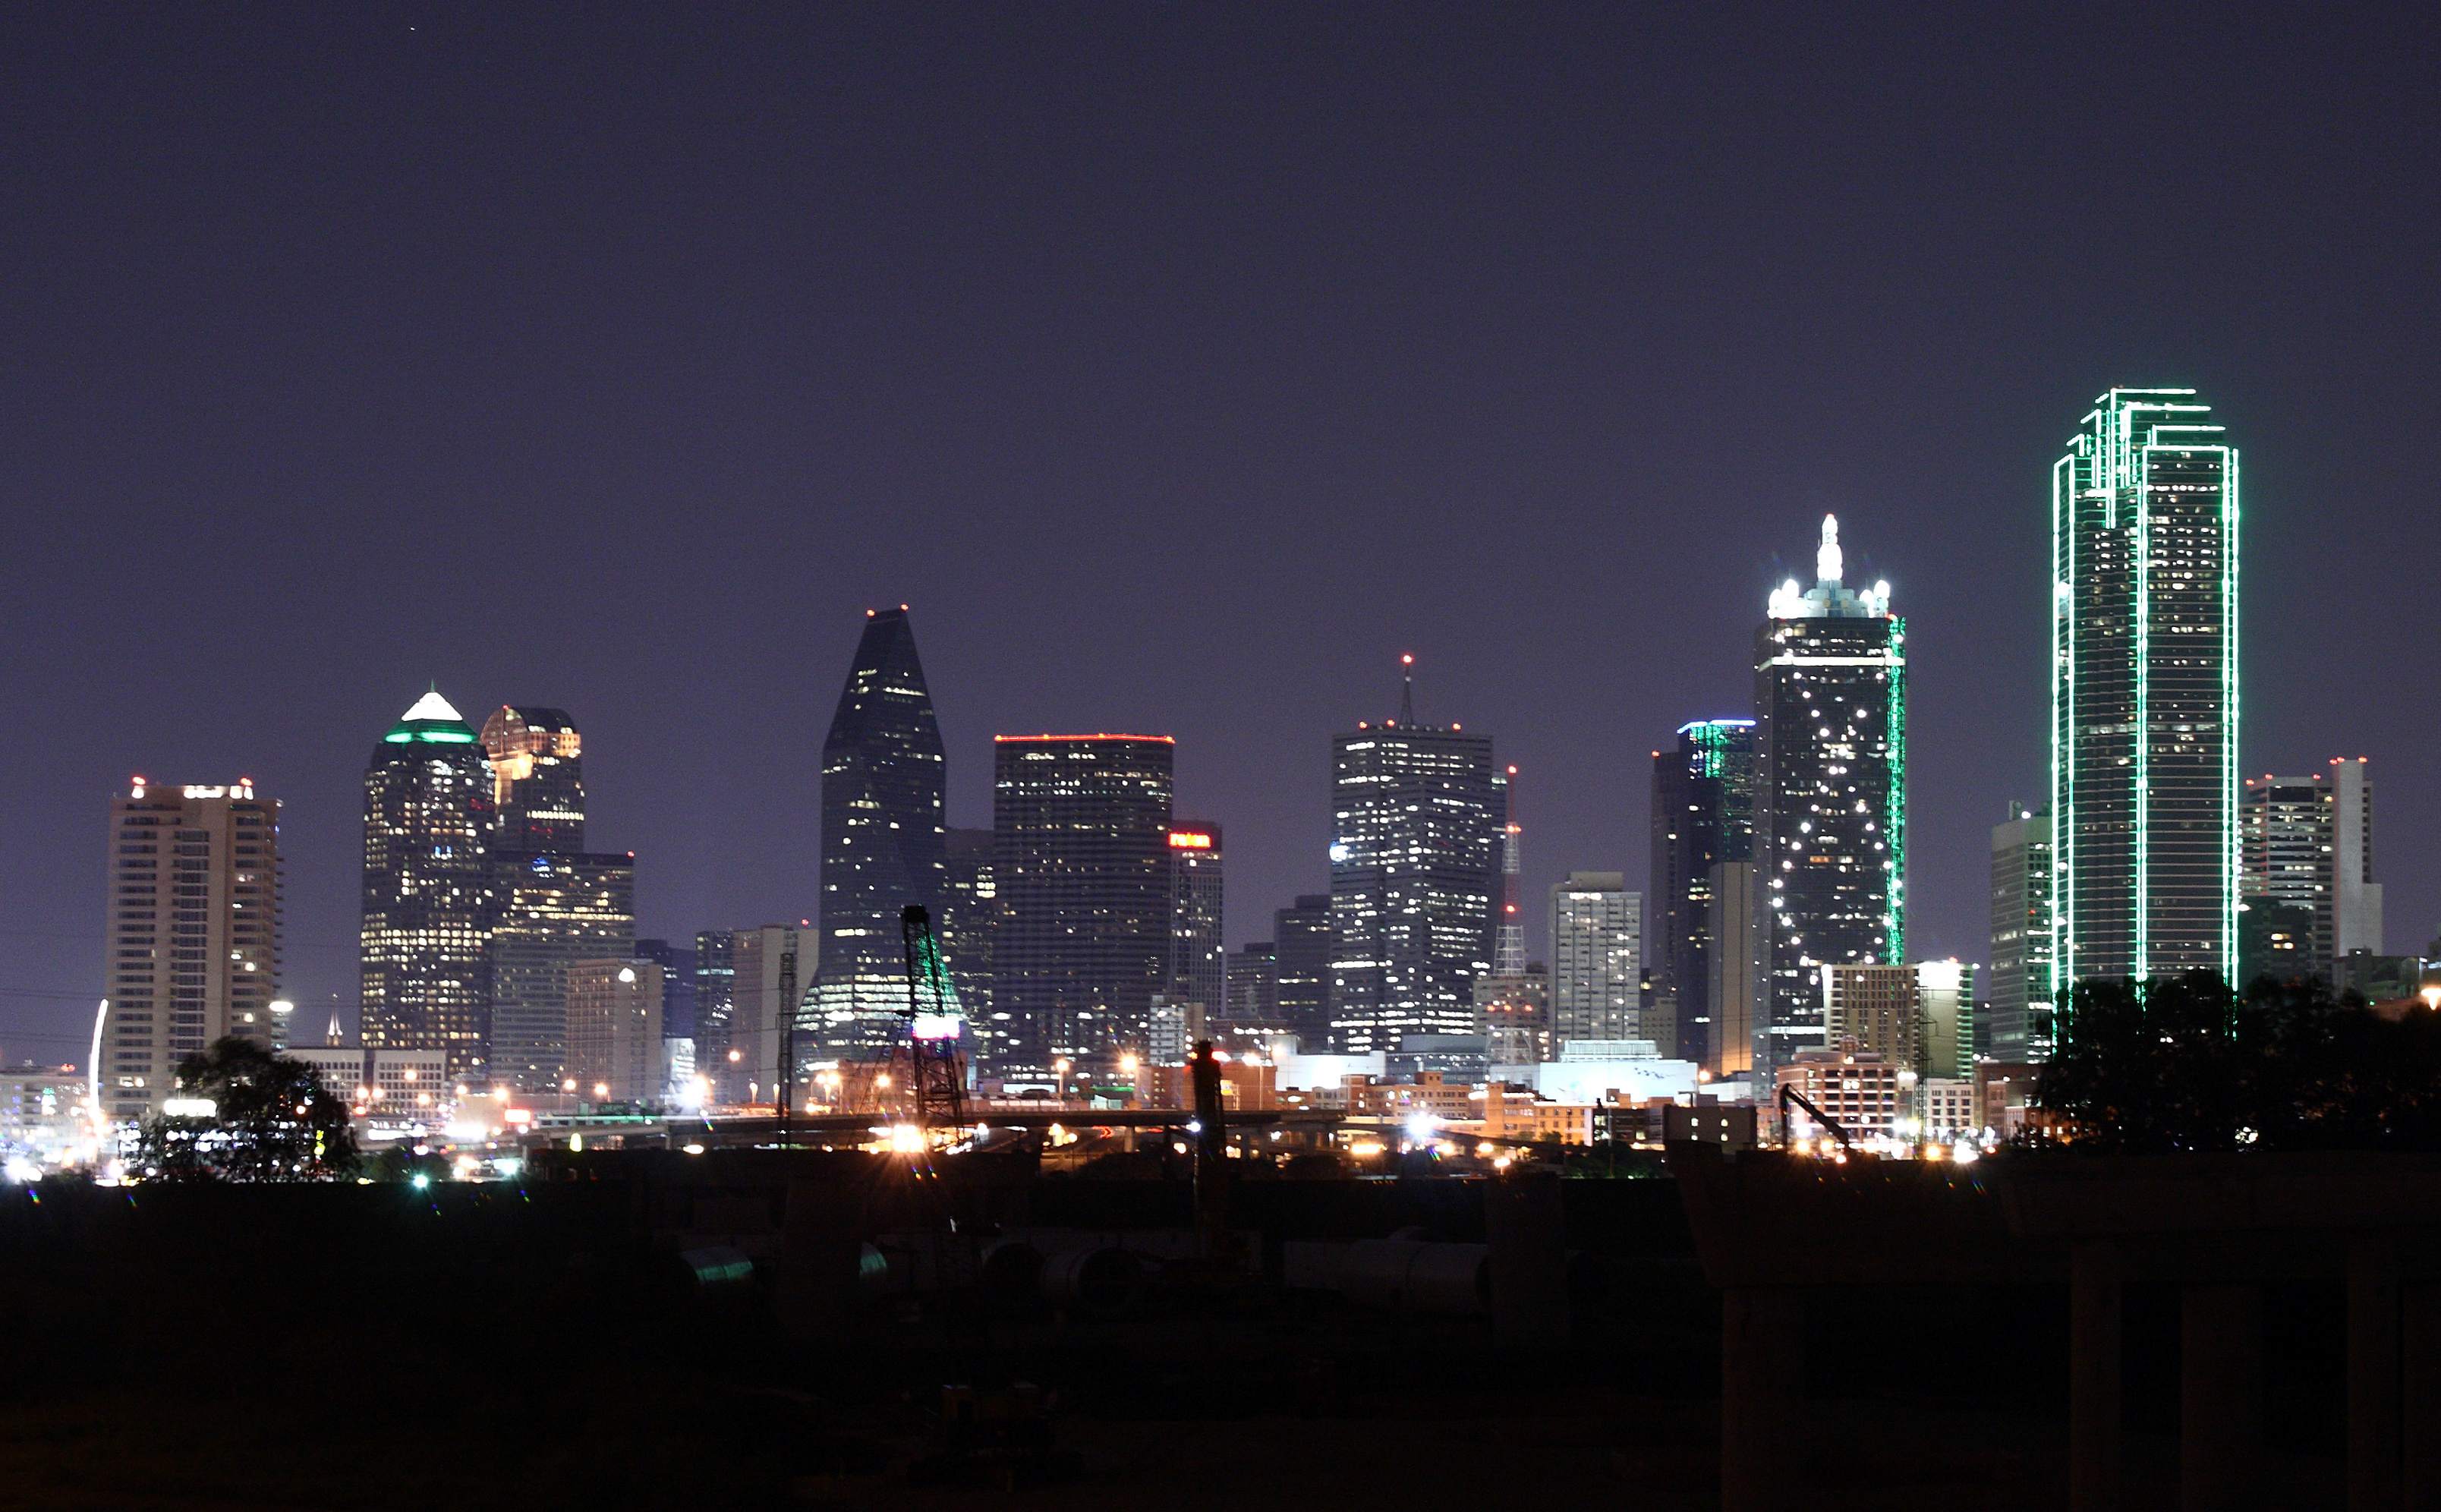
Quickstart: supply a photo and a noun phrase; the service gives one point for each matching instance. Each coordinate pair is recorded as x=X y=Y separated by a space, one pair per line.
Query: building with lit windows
x=1830 y=836
x=884 y=837
x=1418 y=820
x=2145 y=691
x=2306 y=843
x=963 y=926
x=1081 y=861
x=614 y=1031
x=426 y=897
x=193 y=936
x=1875 y=1008
x=771 y=1034
x=1597 y=935
x=537 y=780
x=548 y=914
x=1512 y=1013
x=2022 y=873
x=715 y=975
x=1301 y=968
x=1857 y=1088
x=1198 y=959
x=1703 y=815
x=1253 y=996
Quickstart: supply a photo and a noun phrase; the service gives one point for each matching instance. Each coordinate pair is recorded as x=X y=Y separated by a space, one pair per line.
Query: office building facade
x=537 y=780
x=2144 y=697
x=1418 y=820
x=1253 y=992
x=548 y=913
x=772 y=1039
x=1198 y=957
x=1596 y=938
x=426 y=894
x=2306 y=843
x=2022 y=873
x=193 y=936
x=1703 y=815
x=884 y=835
x=1301 y=969
x=1512 y=1013
x=1734 y=967
x=715 y=979
x=1081 y=863
x=615 y=1053
x=1830 y=836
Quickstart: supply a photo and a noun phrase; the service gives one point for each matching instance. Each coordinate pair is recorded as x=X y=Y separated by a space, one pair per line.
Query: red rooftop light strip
x=1167 y=740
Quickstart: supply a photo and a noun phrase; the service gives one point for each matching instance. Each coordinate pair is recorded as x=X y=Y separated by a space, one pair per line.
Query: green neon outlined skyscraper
x=2145 y=691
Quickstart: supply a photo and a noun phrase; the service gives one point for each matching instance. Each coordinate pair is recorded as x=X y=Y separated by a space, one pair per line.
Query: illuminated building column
x=2144 y=697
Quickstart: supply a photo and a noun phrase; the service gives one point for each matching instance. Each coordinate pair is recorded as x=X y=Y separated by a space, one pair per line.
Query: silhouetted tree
x=2185 y=1064
x=272 y=1120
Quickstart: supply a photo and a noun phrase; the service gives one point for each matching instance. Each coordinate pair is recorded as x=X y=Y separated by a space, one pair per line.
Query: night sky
x=1180 y=367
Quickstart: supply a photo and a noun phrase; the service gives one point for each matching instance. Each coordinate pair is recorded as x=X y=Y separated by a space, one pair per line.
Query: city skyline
x=1402 y=377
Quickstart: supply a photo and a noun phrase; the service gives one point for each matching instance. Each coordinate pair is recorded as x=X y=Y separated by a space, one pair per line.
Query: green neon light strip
x=2228 y=544
x=1894 y=946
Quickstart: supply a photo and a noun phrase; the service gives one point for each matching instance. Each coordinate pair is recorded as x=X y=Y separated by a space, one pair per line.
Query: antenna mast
x=1509 y=945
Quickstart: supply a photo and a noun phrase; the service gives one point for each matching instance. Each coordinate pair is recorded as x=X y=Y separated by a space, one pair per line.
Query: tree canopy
x=2186 y=1064
x=272 y=1119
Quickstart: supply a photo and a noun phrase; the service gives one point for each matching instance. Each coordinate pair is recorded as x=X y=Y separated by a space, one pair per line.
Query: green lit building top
x=2145 y=691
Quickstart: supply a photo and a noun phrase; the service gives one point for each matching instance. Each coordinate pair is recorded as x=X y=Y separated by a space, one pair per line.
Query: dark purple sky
x=1181 y=365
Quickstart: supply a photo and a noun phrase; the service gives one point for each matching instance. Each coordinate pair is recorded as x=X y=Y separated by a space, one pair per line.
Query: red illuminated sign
x=1189 y=840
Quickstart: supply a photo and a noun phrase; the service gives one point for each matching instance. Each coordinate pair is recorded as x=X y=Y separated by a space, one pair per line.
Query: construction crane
x=940 y=1101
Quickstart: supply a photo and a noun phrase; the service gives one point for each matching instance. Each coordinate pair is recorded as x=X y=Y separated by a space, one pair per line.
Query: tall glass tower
x=884 y=843
x=1420 y=819
x=1830 y=818
x=426 y=922
x=537 y=779
x=1703 y=815
x=1081 y=863
x=2145 y=691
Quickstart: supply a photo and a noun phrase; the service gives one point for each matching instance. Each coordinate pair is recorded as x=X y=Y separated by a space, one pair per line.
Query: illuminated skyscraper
x=1830 y=835
x=1301 y=968
x=963 y=928
x=194 y=933
x=1596 y=932
x=2022 y=1003
x=2306 y=843
x=1703 y=815
x=1198 y=960
x=1418 y=818
x=883 y=835
x=548 y=914
x=537 y=780
x=427 y=889
x=1080 y=859
x=2145 y=691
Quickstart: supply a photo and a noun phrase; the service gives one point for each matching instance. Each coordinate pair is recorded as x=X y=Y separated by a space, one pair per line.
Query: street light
x=1059 y=1066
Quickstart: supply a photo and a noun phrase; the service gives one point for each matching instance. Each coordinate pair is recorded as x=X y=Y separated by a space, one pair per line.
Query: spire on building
x=1407 y=691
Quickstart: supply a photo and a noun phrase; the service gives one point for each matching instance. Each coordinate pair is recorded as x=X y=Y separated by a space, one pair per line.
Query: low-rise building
x=46 y=1116
x=1857 y=1088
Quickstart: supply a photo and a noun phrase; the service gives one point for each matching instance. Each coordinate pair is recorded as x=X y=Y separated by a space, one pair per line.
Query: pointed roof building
x=884 y=840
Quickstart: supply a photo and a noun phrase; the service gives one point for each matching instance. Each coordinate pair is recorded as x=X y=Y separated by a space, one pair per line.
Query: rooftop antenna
x=1408 y=692
x=1509 y=946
